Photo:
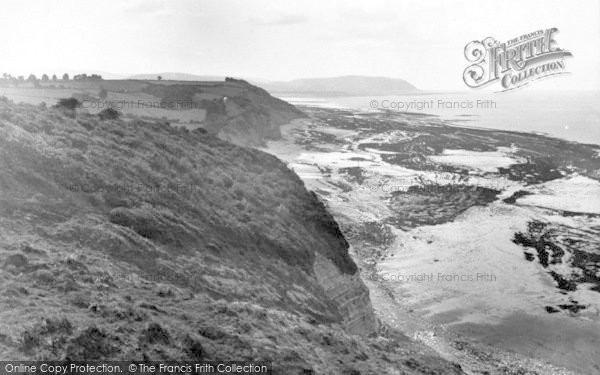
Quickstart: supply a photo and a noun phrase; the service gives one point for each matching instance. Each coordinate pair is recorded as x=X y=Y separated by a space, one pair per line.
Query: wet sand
x=563 y=341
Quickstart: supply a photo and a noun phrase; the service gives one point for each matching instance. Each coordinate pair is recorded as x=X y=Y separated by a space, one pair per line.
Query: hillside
x=235 y=110
x=232 y=109
x=326 y=86
x=131 y=239
x=341 y=86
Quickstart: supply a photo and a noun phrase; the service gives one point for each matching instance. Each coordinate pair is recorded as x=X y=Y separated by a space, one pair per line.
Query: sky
x=421 y=41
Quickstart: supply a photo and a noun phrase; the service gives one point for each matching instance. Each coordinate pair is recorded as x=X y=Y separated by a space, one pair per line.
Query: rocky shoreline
x=399 y=185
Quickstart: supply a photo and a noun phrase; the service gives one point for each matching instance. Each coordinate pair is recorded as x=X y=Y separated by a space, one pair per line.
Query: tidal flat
x=416 y=196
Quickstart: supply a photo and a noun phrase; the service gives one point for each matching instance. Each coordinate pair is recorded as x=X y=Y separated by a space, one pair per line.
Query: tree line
x=8 y=78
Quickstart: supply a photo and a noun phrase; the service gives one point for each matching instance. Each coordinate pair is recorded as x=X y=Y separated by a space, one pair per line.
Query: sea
x=570 y=115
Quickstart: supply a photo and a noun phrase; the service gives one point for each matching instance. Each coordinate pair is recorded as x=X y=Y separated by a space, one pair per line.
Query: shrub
x=155 y=333
x=109 y=114
x=238 y=193
x=44 y=277
x=92 y=344
x=227 y=182
x=16 y=260
x=81 y=300
x=193 y=348
x=68 y=103
x=37 y=335
x=29 y=341
x=52 y=326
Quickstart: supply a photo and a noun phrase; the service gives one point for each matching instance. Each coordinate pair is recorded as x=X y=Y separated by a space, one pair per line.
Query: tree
x=81 y=77
x=45 y=77
x=21 y=79
x=32 y=78
x=65 y=77
x=54 y=77
x=159 y=78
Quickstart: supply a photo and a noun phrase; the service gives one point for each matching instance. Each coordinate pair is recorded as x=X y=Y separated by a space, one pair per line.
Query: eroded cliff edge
x=236 y=110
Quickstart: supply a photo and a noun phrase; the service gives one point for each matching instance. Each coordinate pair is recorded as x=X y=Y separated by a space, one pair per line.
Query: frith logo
x=515 y=63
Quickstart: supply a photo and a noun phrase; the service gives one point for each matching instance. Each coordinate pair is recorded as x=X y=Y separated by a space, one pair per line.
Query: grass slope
x=128 y=239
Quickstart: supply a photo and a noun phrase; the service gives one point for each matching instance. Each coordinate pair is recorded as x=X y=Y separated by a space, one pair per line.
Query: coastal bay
x=416 y=195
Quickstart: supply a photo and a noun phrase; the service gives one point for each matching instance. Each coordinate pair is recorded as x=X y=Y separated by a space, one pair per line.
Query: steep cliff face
x=350 y=295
